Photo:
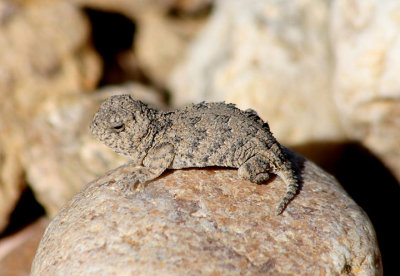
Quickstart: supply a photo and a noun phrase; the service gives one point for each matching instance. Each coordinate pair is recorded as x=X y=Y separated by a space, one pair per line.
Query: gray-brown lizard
x=204 y=134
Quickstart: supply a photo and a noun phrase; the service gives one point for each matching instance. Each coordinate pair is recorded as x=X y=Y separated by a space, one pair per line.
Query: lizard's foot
x=255 y=170
x=139 y=186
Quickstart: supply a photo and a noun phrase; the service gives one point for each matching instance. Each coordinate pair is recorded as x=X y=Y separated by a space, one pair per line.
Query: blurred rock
x=62 y=155
x=161 y=41
x=17 y=251
x=44 y=54
x=317 y=71
x=134 y=8
x=366 y=79
x=163 y=29
x=12 y=181
x=208 y=221
x=272 y=56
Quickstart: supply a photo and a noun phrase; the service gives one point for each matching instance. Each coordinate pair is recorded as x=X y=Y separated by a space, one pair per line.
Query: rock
x=272 y=56
x=11 y=178
x=134 y=8
x=38 y=62
x=367 y=87
x=62 y=155
x=209 y=222
x=173 y=34
x=163 y=29
x=281 y=60
x=44 y=107
x=296 y=62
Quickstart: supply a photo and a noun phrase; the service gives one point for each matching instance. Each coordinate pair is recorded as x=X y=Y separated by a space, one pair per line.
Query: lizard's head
x=120 y=123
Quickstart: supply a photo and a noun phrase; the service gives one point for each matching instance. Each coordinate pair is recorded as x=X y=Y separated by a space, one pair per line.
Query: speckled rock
x=367 y=85
x=209 y=222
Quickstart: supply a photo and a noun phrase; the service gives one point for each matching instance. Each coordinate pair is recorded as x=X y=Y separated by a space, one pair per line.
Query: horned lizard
x=200 y=135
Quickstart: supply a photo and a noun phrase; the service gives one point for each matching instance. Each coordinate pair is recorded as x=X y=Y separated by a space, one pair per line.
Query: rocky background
x=323 y=73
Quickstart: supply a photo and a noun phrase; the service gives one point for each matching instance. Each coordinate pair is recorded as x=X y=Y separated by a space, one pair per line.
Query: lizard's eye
x=117 y=127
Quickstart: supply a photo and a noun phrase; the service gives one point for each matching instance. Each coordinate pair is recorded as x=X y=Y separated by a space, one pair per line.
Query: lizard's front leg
x=157 y=160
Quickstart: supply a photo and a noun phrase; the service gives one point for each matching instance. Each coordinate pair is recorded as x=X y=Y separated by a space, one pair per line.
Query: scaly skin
x=201 y=135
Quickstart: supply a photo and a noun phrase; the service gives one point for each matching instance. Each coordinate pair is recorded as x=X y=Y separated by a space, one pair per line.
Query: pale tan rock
x=47 y=59
x=134 y=8
x=160 y=38
x=209 y=222
x=129 y=8
x=38 y=61
x=12 y=181
x=272 y=56
x=317 y=71
x=366 y=79
x=161 y=42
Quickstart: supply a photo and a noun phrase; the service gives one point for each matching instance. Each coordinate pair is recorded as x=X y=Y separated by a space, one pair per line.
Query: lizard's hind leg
x=255 y=169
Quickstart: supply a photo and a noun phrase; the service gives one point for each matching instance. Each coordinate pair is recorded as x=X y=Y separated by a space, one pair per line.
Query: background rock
x=317 y=71
x=209 y=222
x=272 y=56
x=134 y=8
x=37 y=63
x=367 y=87
x=47 y=63
x=163 y=30
x=161 y=40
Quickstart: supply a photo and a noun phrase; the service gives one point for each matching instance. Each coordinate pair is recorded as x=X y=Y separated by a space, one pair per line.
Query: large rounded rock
x=208 y=221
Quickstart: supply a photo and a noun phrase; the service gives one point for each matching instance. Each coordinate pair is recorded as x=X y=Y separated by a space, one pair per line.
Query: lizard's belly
x=190 y=160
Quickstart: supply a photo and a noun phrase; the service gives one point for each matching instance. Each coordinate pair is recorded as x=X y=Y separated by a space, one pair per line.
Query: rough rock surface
x=209 y=222
x=37 y=63
x=367 y=84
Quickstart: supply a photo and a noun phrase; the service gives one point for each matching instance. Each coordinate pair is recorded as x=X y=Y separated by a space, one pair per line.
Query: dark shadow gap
x=26 y=211
x=113 y=36
x=370 y=184
x=196 y=12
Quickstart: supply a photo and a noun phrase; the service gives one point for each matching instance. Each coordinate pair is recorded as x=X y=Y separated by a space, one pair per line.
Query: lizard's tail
x=289 y=176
